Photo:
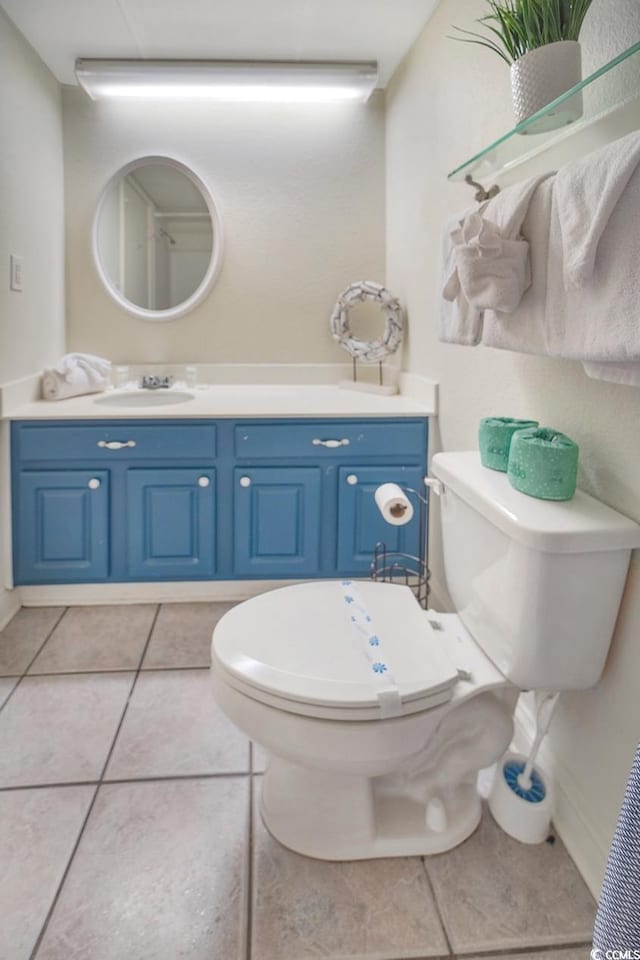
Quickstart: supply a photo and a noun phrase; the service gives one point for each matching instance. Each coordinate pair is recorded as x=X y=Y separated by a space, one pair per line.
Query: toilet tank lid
x=580 y=525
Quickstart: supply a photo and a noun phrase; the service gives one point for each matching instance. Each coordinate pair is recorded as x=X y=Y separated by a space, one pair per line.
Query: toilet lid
x=299 y=648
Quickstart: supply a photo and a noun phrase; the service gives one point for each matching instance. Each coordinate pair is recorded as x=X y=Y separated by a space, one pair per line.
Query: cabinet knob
x=203 y=481
x=94 y=483
x=245 y=481
x=352 y=479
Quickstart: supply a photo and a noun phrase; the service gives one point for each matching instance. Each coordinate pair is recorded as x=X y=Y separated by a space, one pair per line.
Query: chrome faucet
x=150 y=381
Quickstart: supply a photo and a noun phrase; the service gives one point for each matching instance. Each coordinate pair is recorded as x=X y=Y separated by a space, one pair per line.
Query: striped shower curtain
x=618 y=919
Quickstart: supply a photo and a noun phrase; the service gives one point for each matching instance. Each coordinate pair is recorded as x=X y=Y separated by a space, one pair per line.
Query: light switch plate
x=15 y=273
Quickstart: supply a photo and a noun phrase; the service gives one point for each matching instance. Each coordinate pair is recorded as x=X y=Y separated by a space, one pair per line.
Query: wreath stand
x=368 y=351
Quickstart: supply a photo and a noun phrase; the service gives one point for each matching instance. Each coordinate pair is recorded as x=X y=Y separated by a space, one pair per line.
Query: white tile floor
x=129 y=828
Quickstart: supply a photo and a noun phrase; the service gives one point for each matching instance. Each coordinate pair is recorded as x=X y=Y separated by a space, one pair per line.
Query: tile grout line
x=523 y=951
x=249 y=871
x=93 y=672
x=156 y=778
x=439 y=913
x=65 y=874
x=22 y=675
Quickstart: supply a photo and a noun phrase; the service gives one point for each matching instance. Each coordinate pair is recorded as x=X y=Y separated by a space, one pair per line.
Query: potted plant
x=539 y=41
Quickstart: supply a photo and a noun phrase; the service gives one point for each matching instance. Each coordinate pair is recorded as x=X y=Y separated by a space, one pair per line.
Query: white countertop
x=234 y=400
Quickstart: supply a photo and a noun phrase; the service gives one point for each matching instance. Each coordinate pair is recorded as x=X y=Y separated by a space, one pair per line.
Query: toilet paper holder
x=411 y=570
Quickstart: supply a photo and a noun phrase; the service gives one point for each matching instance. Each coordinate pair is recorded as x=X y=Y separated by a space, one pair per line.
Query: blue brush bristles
x=536 y=792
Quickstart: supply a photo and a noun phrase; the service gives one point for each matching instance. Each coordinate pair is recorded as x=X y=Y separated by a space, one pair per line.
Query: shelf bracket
x=481 y=193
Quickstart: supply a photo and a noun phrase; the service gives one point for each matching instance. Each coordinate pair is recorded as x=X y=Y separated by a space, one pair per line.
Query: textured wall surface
x=301 y=192
x=446 y=102
x=31 y=208
x=32 y=218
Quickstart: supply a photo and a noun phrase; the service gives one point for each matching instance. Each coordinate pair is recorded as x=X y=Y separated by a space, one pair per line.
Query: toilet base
x=341 y=817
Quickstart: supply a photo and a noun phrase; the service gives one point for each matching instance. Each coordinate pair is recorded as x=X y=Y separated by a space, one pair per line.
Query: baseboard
x=84 y=594
x=576 y=827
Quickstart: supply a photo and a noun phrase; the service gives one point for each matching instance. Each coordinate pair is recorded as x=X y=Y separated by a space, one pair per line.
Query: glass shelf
x=523 y=142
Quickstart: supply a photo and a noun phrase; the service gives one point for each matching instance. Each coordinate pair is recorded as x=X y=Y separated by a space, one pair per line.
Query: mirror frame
x=217 y=252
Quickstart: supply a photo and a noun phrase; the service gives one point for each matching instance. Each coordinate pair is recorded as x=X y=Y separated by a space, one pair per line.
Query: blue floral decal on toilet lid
x=370 y=644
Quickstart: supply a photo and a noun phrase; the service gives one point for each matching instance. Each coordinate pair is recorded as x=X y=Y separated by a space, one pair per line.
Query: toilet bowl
x=377 y=716
x=344 y=782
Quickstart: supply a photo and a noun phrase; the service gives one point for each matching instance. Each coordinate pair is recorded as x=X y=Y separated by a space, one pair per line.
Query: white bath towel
x=74 y=375
x=627 y=373
x=487 y=263
x=524 y=330
x=458 y=321
x=587 y=192
x=599 y=321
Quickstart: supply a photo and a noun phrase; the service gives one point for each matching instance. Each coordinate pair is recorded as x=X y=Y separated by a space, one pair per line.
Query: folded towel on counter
x=74 y=375
x=587 y=192
x=597 y=322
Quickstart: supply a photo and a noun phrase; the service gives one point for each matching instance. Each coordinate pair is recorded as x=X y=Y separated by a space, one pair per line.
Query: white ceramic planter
x=541 y=76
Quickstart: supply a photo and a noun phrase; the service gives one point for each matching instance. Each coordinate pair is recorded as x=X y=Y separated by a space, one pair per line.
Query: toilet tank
x=537 y=583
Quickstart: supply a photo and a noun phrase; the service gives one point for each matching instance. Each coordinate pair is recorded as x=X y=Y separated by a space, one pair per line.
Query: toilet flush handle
x=434 y=484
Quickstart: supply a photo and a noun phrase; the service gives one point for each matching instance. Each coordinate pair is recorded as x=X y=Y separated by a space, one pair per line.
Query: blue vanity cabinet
x=62 y=527
x=277 y=521
x=360 y=523
x=114 y=501
x=171 y=532
x=130 y=500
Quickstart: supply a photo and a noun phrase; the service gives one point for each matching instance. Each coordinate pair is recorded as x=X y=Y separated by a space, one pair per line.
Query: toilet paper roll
x=495 y=439
x=543 y=463
x=393 y=504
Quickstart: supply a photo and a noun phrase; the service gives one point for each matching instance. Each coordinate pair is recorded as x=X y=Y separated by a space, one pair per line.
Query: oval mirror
x=157 y=238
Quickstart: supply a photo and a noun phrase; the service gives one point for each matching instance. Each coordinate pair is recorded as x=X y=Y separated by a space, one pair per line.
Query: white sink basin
x=144 y=398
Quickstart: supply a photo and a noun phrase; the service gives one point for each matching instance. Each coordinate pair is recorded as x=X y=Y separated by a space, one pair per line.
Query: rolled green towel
x=543 y=463
x=495 y=439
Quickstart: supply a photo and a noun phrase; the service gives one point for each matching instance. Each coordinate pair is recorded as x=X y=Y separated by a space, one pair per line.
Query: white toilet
x=378 y=715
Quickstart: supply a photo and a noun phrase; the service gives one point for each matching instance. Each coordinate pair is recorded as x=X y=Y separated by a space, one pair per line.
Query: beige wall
x=301 y=192
x=447 y=101
x=31 y=215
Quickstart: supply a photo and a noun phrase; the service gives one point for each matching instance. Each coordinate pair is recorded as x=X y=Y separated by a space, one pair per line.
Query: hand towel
x=598 y=322
x=524 y=330
x=459 y=322
x=492 y=272
x=76 y=367
x=617 y=925
x=587 y=192
x=486 y=258
x=74 y=375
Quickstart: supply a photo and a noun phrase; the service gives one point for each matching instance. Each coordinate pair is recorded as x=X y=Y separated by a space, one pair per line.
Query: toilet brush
x=520 y=799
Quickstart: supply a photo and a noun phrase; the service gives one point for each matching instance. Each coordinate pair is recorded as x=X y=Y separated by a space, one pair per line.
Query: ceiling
x=61 y=30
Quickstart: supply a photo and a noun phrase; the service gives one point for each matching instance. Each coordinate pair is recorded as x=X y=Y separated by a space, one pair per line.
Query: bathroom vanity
x=171 y=498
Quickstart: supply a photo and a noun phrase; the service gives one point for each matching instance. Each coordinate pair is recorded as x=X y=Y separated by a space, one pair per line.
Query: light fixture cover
x=228 y=80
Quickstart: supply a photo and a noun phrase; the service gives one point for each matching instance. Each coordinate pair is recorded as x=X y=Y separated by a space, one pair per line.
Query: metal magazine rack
x=392 y=566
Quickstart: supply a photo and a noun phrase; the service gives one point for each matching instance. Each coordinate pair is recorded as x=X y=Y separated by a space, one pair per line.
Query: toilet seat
x=296 y=649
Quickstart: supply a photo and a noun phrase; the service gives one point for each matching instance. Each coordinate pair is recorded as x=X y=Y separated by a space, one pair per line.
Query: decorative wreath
x=370 y=351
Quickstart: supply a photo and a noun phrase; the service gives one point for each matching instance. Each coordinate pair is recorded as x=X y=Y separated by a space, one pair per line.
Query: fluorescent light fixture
x=228 y=80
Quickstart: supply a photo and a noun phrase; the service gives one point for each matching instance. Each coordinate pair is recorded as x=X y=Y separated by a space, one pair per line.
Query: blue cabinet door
x=360 y=523
x=61 y=528
x=277 y=521
x=170 y=516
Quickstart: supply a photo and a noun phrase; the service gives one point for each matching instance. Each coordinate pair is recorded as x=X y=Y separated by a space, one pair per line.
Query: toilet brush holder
x=525 y=814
